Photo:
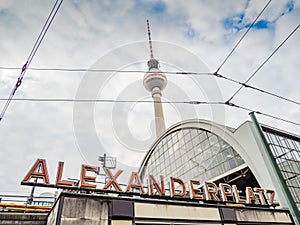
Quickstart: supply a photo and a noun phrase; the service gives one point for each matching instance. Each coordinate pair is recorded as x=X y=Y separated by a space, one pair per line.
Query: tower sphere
x=154 y=78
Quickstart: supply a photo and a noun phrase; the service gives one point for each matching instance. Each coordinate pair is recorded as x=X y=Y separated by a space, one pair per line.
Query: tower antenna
x=150 y=42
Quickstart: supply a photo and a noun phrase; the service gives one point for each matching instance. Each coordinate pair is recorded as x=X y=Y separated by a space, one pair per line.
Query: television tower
x=155 y=81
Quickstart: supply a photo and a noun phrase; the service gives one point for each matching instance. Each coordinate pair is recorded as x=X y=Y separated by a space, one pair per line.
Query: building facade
x=206 y=151
x=82 y=209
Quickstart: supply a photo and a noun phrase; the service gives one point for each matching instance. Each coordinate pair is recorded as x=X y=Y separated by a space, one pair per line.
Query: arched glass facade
x=191 y=153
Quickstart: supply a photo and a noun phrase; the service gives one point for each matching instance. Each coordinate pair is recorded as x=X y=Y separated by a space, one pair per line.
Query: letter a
x=35 y=172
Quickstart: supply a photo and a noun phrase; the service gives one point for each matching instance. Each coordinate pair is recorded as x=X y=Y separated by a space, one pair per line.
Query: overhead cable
x=109 y=101
x=277 y=118
x=254 y=21
x=83 y=70
x=230 y=104
x=258 y=89
x=166 y=72
x=261 y=113
x=32 y=53
x=252 y=75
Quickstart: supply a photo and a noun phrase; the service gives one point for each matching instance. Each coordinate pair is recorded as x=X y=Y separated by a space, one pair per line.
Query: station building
x=190 y=150
x=206 y=151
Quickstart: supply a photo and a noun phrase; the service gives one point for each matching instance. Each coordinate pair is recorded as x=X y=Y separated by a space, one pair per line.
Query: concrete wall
x=83 y=209
x=22 y=218
x=79 y=211
x=99 y=210
x=52 y=217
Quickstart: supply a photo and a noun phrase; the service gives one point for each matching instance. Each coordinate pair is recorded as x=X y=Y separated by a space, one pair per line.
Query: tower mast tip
x=149 y=39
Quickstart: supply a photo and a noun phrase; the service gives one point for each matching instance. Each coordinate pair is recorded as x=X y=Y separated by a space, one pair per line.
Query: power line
x=277 y=118
x=108 y=101
x=261 y=113
x=148 y=101
x=44 y=31
x=243 y=36
x=104 y=70
x=32 y=53
x=265 y=62
x=258 y=89
x=166 y=72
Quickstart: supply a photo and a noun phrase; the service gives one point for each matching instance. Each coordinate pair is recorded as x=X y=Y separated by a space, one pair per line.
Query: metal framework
x=286 y=151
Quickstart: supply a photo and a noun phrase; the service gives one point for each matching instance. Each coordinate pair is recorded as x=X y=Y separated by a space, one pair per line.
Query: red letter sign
x=113 y=180
x=181 y=182
x=196 y=193
x=137 y=185
x=59 y=182
x=250 y=196
x=85 y=178
x=226 y=190
x=35 y=172
x=211 y=190
x=160 y=189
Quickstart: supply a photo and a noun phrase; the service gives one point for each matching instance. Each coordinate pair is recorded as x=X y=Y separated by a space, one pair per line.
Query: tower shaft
x=160 y=126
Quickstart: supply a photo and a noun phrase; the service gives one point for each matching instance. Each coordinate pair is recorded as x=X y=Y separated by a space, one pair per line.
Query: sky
x=193 y=36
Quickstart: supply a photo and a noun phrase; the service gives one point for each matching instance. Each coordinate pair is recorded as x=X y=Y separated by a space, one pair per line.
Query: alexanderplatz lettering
x=208 y=191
